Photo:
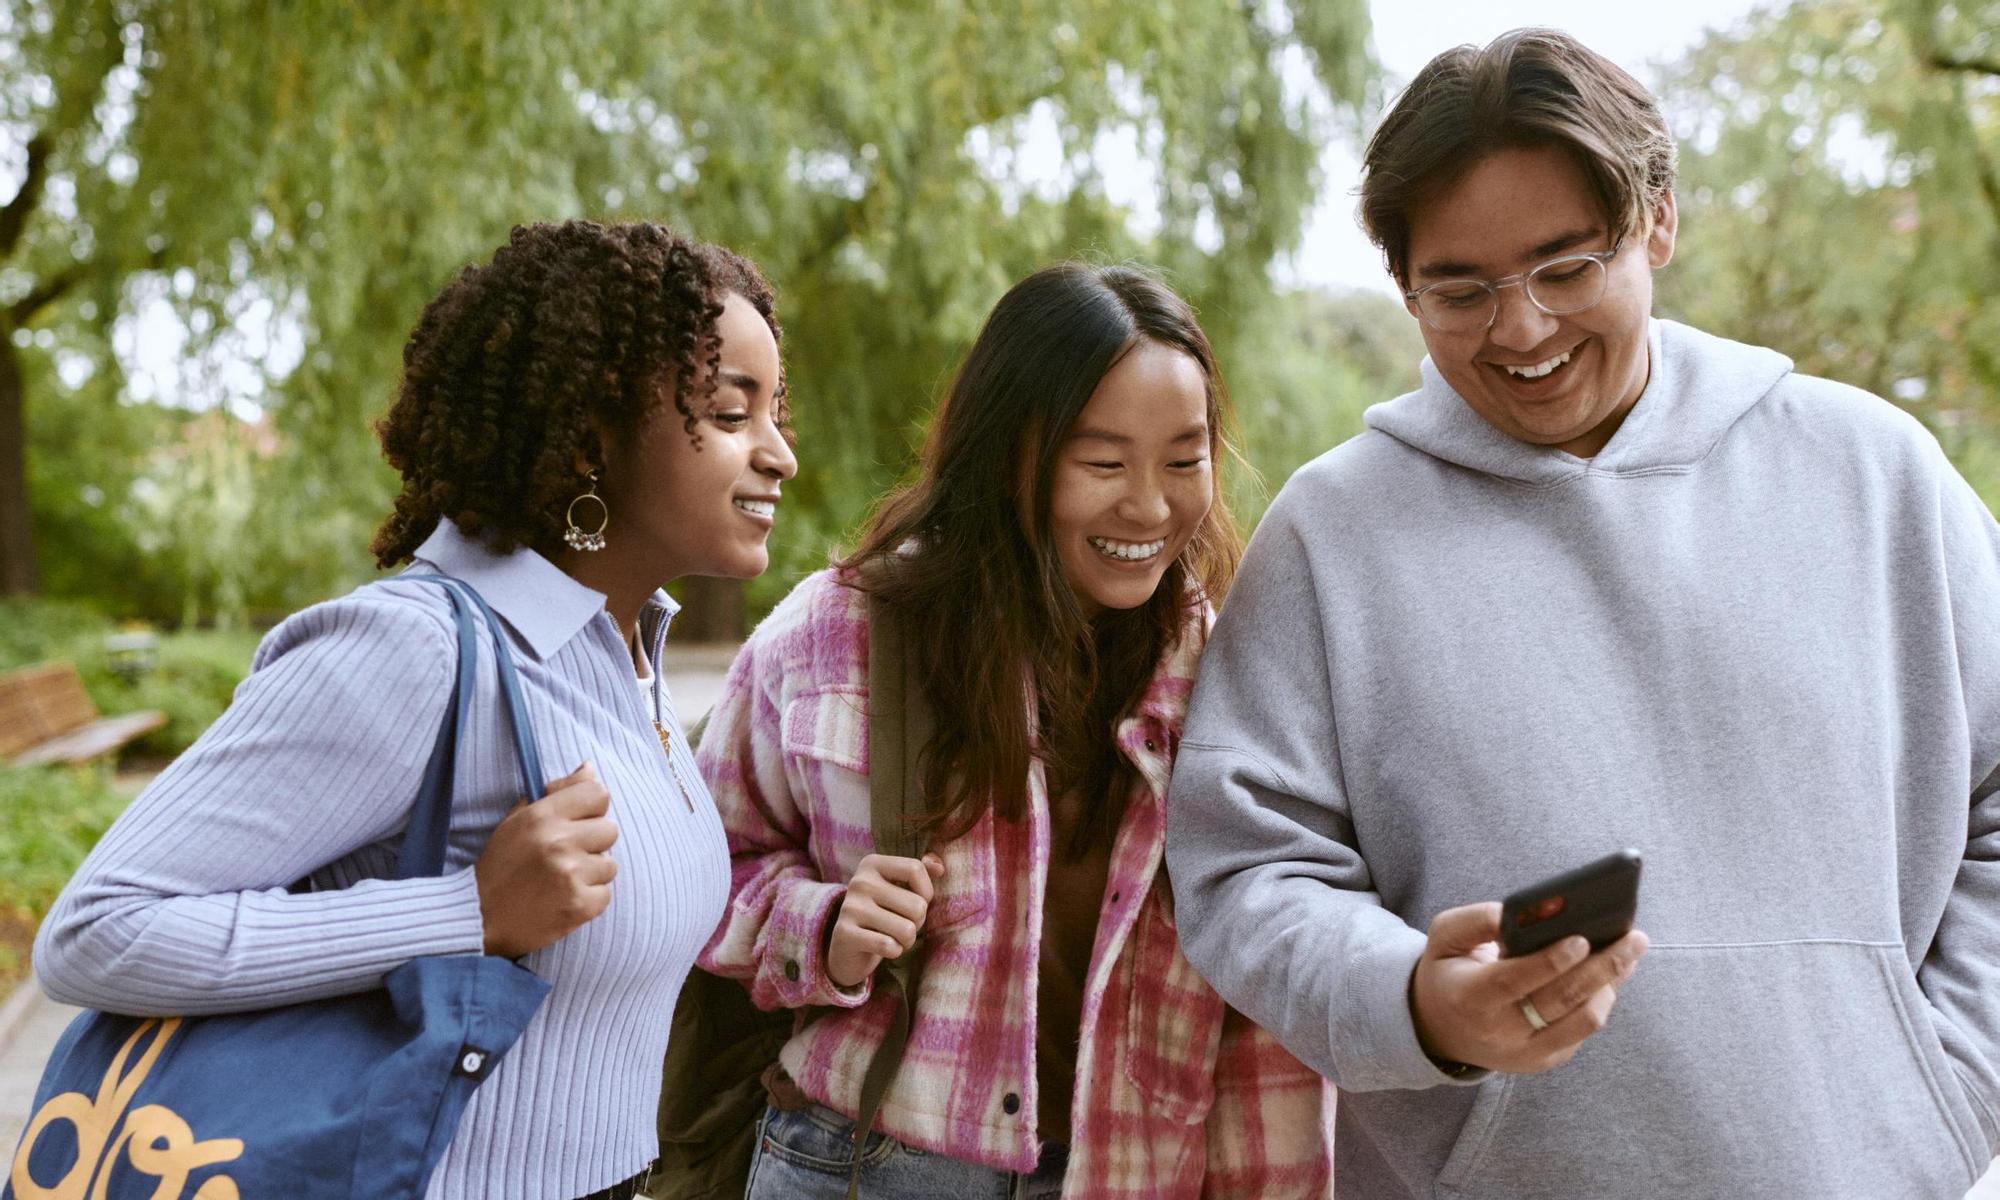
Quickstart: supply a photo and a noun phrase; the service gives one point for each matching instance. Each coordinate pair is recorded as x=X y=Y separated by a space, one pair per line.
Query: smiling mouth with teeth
x=758 y=508
x=1540 y=369
x=1127 y=551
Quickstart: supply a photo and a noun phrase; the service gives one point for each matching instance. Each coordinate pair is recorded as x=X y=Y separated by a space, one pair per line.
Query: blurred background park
x=221 y=218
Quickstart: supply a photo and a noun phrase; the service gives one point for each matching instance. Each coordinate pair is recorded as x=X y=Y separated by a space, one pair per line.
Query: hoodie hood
x=1699 y=386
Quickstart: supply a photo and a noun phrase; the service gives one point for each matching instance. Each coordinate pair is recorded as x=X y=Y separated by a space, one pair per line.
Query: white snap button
x=472 y=1061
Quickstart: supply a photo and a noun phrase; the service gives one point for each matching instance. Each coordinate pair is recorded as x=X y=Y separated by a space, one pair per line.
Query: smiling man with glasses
x=1605 y=580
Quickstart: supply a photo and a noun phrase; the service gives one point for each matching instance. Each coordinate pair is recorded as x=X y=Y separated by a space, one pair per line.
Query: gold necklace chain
x=673 y=764
x=666 y=733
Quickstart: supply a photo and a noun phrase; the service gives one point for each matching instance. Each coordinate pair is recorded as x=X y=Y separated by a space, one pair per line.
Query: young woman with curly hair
x=1056 y=561
x=595 y=412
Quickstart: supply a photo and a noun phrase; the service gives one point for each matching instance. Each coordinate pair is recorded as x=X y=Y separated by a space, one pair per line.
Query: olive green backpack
x=712 y=1091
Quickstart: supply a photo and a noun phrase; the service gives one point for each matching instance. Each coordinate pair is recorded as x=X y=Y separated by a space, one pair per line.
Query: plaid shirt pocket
x=1174 y=1021
x=826 y=732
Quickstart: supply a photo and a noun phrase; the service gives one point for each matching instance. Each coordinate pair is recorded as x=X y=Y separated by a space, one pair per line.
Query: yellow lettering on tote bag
x=156 y=1140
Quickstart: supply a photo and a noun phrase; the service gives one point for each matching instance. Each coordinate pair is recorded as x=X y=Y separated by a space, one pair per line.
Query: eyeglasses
x=1558 y=287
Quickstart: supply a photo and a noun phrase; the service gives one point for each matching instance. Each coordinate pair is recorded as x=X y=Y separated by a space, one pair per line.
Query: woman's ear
x=590 y=454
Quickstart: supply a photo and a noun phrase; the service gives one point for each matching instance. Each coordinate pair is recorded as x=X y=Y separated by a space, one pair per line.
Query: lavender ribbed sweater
x=183 y=907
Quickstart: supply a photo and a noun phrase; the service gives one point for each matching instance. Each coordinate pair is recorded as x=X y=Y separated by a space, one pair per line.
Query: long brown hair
x=995 y=624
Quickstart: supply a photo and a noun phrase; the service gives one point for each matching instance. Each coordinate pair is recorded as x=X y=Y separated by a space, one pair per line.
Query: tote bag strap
x=430 y=818
x=525 y=752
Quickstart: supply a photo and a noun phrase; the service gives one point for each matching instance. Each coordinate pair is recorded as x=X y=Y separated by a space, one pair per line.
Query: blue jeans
x=806 y=1154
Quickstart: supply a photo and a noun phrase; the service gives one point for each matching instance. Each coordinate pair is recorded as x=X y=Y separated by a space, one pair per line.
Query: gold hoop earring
x=575 y=536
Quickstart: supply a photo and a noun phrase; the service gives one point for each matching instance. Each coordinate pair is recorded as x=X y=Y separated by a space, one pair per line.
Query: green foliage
x=192 y=682
x=33 y=631
x=891 y=214
x=192 y=679
x=188 y=518
x=50 y=817
x=321 y=169
x=329 y=168
x=1302 y=378
x=1840 y=201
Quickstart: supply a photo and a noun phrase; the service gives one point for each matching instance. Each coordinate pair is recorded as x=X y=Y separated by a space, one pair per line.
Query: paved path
x=693 y=675
x=21 y=1060
x=30 y=1023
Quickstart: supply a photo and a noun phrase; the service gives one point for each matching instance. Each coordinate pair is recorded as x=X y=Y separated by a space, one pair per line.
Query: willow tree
x=338 y=164
x=1840 y=201
x=329 y=165
x=870 y=156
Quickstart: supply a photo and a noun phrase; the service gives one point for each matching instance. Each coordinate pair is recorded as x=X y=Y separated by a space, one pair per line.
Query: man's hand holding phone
x=1468 y=1001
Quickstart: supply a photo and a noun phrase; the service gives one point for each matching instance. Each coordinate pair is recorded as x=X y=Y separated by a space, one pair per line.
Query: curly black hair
x=515 y=366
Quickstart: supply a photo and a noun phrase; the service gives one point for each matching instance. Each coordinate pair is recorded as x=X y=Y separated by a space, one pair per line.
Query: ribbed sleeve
x=182 y=907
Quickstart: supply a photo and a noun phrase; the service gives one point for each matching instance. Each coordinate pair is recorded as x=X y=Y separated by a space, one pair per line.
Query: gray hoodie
x=1758 y=638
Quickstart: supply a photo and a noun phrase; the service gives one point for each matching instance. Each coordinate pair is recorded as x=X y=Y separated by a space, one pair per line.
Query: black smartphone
x=1599 y=900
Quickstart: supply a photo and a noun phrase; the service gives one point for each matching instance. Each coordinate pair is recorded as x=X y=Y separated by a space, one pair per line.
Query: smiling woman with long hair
x=1054 y=565
x=596 y=411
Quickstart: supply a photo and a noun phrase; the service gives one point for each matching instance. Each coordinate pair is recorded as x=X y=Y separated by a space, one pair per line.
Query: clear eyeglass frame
x=1468 y=320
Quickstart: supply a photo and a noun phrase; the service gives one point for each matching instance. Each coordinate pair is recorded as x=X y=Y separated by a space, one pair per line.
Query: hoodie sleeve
x=1961 y=974
x=1276 y=905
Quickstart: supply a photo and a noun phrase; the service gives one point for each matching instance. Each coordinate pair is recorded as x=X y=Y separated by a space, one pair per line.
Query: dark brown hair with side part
x=1526 y=88
x=518 y=363
x=998 y=632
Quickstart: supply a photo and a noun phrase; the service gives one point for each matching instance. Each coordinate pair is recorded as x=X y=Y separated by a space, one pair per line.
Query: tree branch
x=1947 y=62
x=1989 y=178
x=42 y=295
x=1936 y=58
x=14 y=217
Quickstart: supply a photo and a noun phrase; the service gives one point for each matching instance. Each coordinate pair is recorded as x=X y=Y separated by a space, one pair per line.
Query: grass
x=50 y=817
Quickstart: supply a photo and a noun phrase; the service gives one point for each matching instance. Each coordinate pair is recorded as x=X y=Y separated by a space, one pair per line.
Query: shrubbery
x=191 y=680
x=50 y=817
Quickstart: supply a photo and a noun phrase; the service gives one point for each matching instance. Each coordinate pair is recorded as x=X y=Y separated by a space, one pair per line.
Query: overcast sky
x=1408 y=34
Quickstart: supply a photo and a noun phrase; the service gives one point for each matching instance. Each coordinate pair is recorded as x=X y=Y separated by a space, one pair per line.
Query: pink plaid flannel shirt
x=1177 y=1095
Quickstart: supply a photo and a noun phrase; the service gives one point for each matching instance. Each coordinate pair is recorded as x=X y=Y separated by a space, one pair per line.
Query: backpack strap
x=900 y=723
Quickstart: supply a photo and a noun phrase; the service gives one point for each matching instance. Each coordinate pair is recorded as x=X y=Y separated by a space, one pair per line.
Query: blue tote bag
x=354 y=1097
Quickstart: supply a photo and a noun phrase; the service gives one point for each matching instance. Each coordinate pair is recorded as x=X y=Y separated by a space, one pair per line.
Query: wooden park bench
x=47 y=717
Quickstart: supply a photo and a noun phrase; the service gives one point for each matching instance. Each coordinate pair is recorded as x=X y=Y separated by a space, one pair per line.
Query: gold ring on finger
x=1535 y=1021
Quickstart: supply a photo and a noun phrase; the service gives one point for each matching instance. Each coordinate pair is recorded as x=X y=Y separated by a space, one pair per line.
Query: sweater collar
x=537 y=599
